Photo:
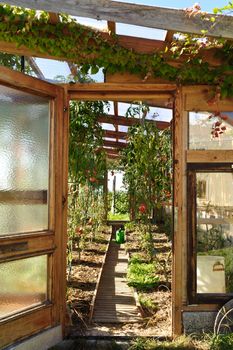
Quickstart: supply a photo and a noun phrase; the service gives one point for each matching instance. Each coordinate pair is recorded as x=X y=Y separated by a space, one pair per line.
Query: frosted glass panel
x=24 y=159
x=23 y=284
x=209 y=131
x=214 y=198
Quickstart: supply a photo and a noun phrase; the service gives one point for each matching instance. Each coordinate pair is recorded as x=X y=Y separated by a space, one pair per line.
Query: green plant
x=148 y=304
x=222 y=342
x=142 y=275
x=183 y=342
x=91 y=51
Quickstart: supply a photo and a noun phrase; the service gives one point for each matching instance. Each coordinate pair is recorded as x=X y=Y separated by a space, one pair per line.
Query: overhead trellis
x=89 y=48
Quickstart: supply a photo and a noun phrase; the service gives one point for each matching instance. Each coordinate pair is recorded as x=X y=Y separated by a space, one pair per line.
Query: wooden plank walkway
x=115 y=302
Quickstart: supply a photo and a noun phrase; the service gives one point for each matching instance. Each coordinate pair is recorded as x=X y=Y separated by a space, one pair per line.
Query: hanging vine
x=91 y=51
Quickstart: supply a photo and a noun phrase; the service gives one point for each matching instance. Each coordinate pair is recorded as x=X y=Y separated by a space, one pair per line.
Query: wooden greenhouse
x=34 y=121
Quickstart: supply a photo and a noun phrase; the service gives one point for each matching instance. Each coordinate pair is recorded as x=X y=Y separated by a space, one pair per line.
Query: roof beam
x=114 y=144
x=147 y=16
x=32 y=63
x=115 y=134
x=110 y=119
x=114 y=151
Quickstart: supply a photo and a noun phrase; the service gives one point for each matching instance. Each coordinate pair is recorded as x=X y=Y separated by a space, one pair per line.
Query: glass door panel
x=24 y=159
x=23 y=284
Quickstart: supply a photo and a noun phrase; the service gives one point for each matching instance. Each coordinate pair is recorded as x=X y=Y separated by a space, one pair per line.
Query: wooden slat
x=115 y=134
x=130 y=121
x=115 y=301
x=114 y=144
x=24 y=197
x=210 y=156
x=147 y=16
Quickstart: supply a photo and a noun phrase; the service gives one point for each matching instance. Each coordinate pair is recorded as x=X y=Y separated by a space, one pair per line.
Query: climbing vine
x=91 y=50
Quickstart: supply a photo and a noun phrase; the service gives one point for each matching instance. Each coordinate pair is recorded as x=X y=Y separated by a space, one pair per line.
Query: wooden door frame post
x=179 y=207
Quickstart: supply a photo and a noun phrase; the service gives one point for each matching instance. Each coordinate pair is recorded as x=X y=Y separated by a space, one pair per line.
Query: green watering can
x=120 y=236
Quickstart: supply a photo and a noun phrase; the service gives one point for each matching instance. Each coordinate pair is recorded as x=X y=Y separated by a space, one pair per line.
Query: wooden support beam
x=31 y=61
x=111 y=150
x=53 y=18
x=115 y=105
x=114 y=144
x=130 y=121
x=115 y=134
x=169 y=36
x=142 y=15
x=73 y=89
x=112 y=27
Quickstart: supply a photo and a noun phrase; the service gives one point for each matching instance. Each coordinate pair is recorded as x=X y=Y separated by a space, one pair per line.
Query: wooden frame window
x=210 y=233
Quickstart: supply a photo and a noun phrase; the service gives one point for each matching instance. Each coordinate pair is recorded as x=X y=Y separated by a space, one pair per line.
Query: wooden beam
x=119 y=88
x=130 y=121
x=146 y=16
x=114 y=144
x=115 y=105
x=113 y=151
x=115 y=134
x=31 y=61
x=53 y=18
x=112 y=27
x=169 y=36
x=112 y=156
x=24 y=197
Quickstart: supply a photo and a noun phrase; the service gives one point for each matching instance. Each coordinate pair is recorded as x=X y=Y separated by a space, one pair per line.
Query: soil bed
x=81 y=287
x=82 y=282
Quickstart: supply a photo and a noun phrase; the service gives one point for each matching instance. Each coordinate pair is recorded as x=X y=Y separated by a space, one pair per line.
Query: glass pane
x=214 y=198
x=23 y=284
x=210 y=131
x=24 y=159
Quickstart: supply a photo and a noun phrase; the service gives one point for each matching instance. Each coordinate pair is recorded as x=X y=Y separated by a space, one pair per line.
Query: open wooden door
x=33 y=146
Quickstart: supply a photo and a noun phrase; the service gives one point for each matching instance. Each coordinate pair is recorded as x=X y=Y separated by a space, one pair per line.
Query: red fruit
x=223 y=128
x=217 y=129
x=79 y=230
x=223 y=116
x=92 y=179
x=216 y=134
x=142 y=208
x=218 y=123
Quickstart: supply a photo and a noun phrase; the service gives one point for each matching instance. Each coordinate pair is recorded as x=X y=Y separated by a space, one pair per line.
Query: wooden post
x=105 y=195
x=180 y=220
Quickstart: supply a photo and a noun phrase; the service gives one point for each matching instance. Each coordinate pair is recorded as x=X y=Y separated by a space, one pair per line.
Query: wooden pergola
x=118 y=87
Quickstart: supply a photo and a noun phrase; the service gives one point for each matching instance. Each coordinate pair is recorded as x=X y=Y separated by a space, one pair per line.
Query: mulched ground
x=83 y=280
